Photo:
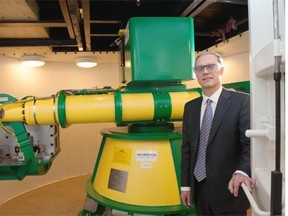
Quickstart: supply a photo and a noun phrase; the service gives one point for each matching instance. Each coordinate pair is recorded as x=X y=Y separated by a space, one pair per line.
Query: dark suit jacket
x=228 y=148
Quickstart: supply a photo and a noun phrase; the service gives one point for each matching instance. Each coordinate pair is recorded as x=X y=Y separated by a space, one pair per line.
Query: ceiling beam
x=238 y=2
x=56 y=24
x=105 y=21
x=104 y=35
x=19 y=10
x=28 y=42
x=75 y=18
x=67 y=19
x=86 y=19
x=191 y=7
x=202 y=7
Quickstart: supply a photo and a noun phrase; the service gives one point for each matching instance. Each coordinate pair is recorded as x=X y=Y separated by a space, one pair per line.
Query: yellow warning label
x=122 y=155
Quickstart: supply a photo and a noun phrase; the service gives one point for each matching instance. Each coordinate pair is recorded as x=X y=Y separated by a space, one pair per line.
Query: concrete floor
x=65 y=198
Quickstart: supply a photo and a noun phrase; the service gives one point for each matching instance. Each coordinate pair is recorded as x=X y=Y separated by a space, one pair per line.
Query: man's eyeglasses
x=209 y=68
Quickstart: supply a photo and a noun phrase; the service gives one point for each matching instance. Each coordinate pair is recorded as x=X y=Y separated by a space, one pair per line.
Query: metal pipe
x=120 y=107
x=276 y=175
x=253 y=203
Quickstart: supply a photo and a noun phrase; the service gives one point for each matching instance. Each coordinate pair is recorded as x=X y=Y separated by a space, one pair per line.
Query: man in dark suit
x=226 y=155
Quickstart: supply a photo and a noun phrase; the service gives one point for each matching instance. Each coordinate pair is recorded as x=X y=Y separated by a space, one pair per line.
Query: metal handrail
x=253 y=203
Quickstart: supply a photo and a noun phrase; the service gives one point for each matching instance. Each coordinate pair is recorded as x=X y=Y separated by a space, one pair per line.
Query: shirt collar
x=214 y=97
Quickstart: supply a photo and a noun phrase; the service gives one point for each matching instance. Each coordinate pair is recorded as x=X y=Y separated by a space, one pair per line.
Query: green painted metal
x=151 y=133
x=62 y=109
x=118 y=108
x=149 y=128
x=239 y=86
x=135 y=209
x=162 y=106
x=155 y=86
x=243 y=86
x=17 y=170
x=151 y=51
x=105 y=90
x=99 y=156
x=176 y=150
x=13 y=169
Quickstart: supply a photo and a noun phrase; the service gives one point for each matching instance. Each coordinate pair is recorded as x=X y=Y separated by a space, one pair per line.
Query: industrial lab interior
x=79 y=139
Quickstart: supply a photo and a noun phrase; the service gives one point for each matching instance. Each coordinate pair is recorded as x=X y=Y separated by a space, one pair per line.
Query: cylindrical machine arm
x=120 y=107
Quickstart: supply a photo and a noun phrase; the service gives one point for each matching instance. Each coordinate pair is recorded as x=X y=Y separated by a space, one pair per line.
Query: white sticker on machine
x=146 y=155
x=146 y=165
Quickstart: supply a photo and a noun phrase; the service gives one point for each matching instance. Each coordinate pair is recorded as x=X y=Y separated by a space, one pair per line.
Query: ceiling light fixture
x=32 y=61
x=86 y=62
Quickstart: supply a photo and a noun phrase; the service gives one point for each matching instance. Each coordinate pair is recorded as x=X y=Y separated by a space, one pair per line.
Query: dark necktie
x=200 y=167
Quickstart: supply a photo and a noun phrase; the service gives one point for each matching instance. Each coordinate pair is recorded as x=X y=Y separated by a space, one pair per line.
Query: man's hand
x=236 y=182
x=185 y=198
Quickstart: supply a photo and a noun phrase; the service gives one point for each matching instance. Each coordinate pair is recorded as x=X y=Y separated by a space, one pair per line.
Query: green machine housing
x=159 y=49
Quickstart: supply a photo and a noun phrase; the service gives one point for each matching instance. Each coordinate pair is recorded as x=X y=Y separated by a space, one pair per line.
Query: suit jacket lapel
x=197 y=123
x=222 y=107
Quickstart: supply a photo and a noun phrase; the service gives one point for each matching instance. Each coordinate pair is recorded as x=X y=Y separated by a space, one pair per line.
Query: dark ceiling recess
x=95 y=25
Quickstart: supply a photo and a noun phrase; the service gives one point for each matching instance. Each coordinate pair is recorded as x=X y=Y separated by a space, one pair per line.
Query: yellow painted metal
x=145 y=173
x=178 y=100
x=92 y=108
x=12 y=111
x=40 y=112
x=138 y=107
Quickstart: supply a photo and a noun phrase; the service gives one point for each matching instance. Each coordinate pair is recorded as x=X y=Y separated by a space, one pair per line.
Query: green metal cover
x=160 y=48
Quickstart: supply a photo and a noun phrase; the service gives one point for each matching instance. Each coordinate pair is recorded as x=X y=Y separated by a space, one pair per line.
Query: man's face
x=209 y=76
